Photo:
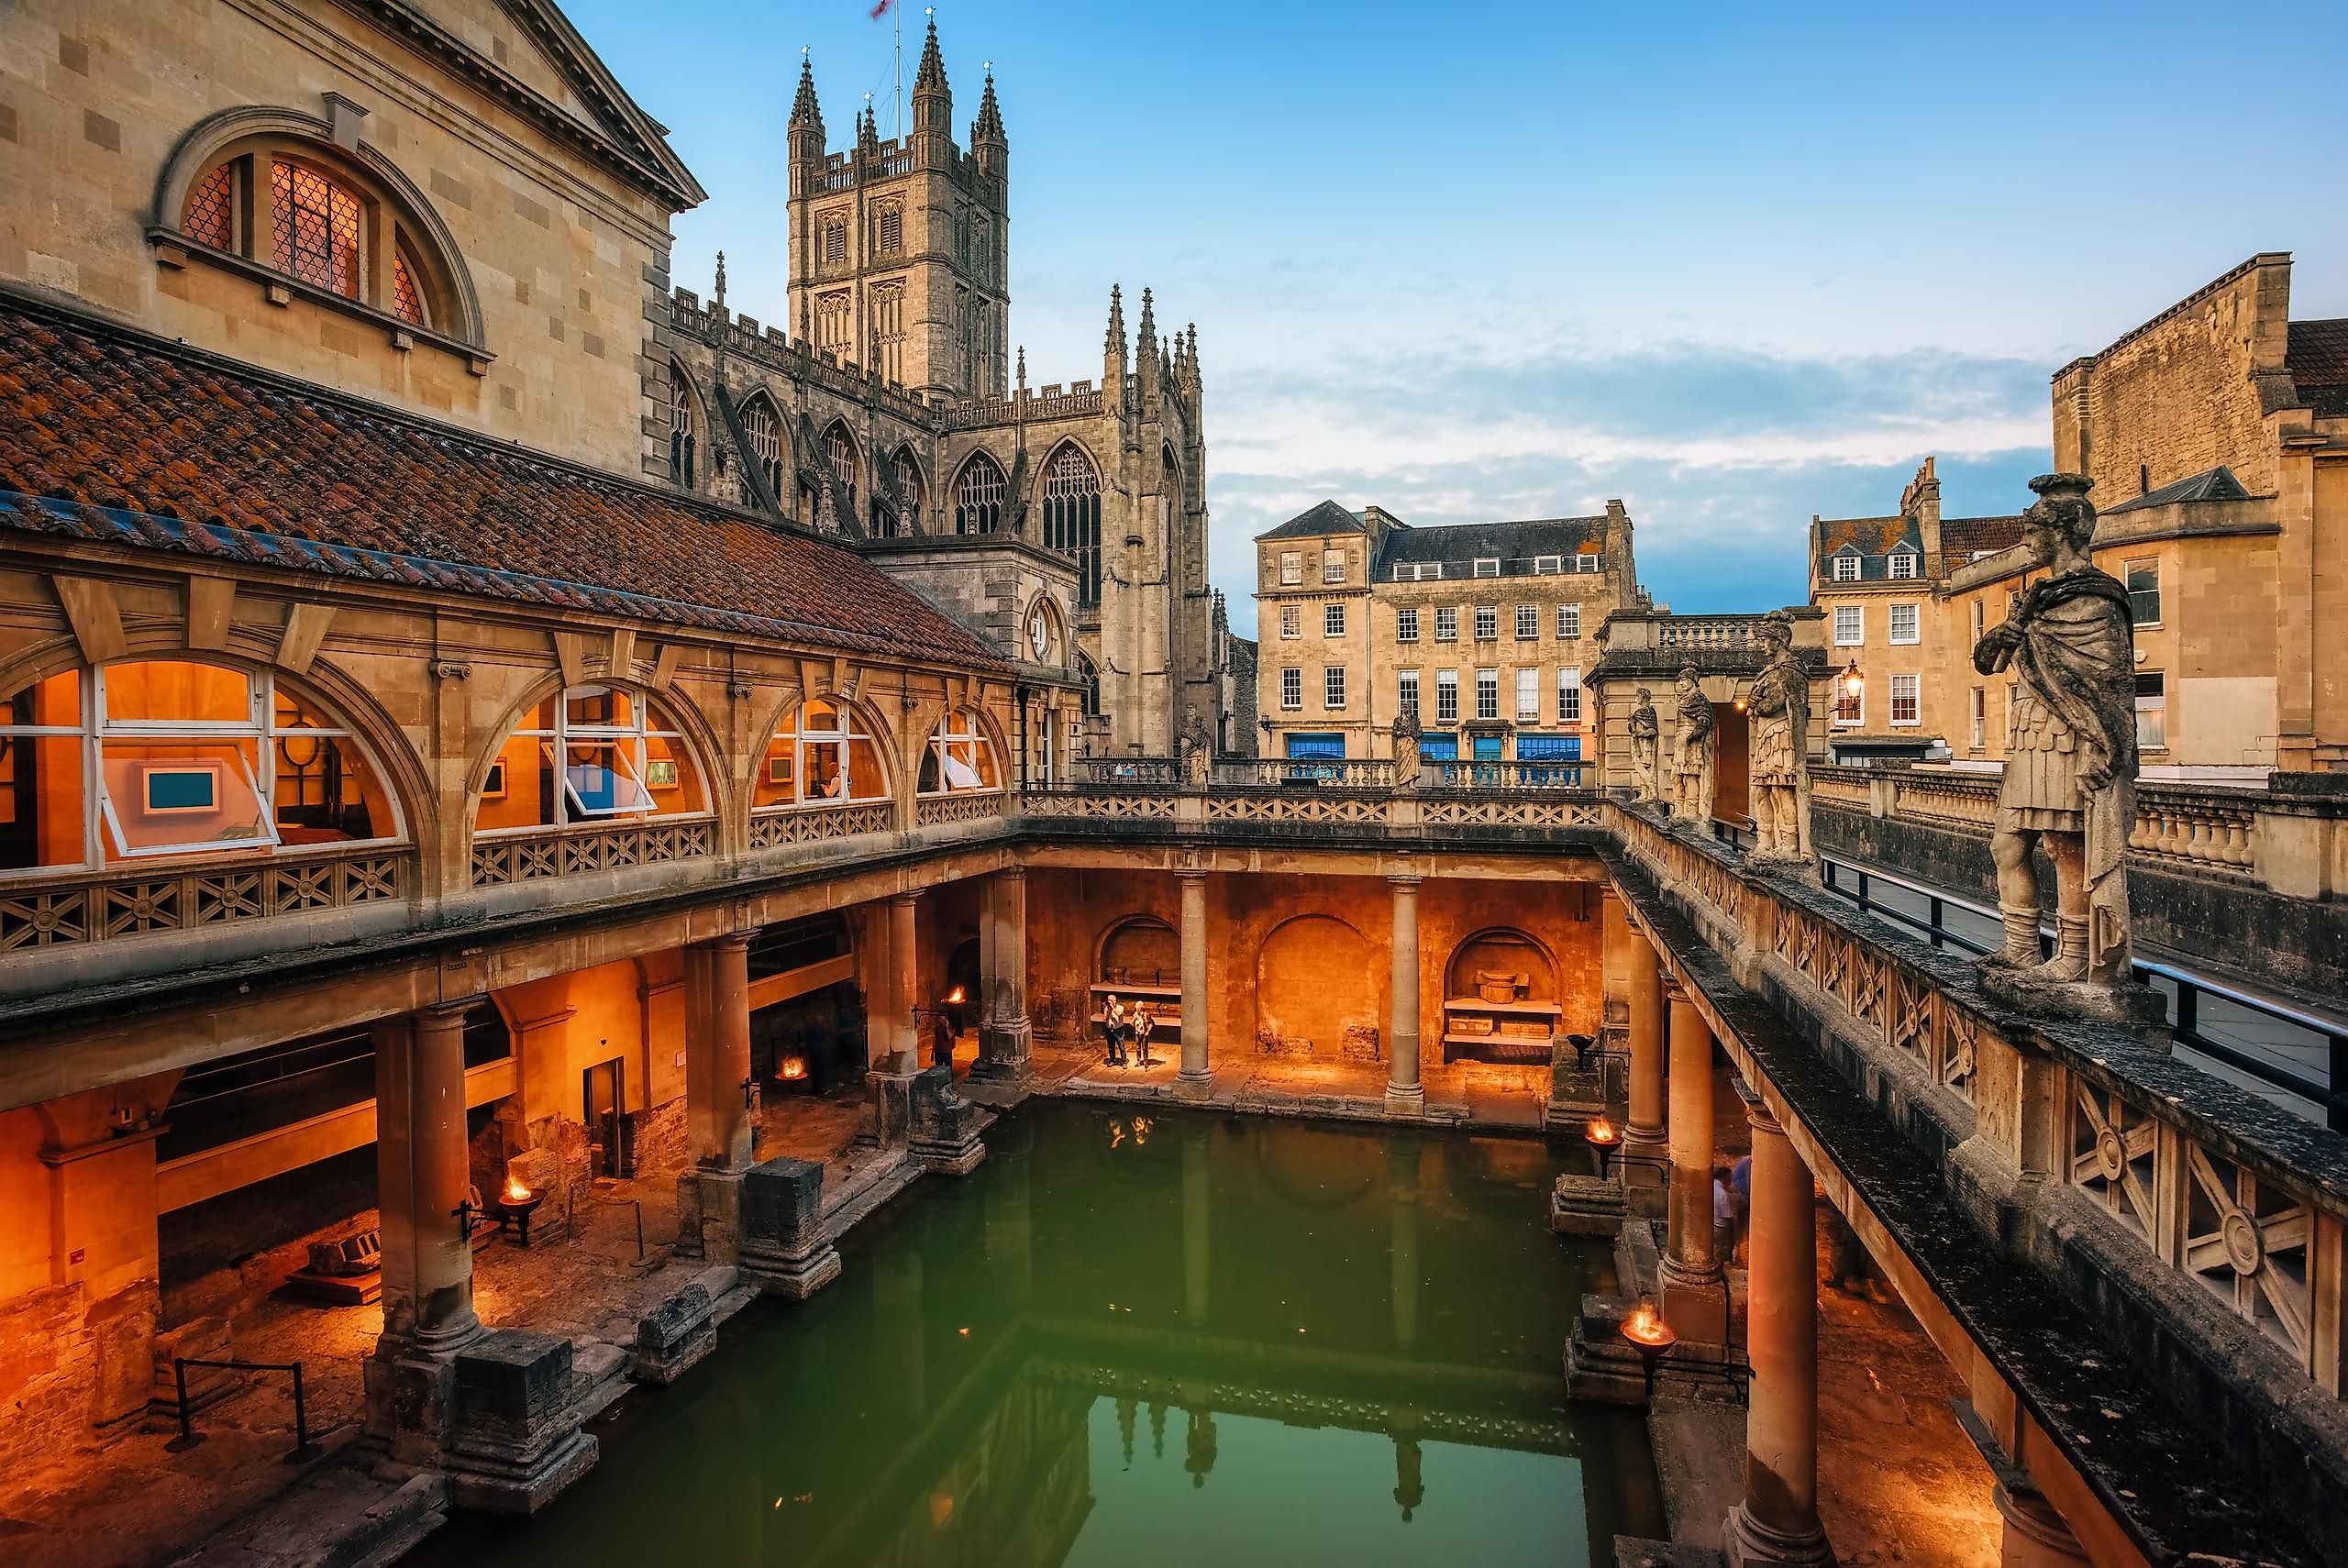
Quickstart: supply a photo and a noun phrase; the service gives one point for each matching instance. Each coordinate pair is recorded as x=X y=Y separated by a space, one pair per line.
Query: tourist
x=1740 y=1188
x=1723 y=1216
x=941 y=1041
x=1145 y=1023
x=1112 y=1025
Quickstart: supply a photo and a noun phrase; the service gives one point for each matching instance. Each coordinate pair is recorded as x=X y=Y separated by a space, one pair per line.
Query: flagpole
x=897 y=20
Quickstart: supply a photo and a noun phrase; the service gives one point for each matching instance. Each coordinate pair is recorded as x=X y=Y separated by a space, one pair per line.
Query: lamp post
x=1853 y=683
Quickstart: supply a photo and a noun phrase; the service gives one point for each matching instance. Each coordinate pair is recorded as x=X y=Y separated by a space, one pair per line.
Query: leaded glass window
x=317 y=227
x=978 y=496
x=910 y=489
x=212 y=210
x=765 y=432
x=681 y=432
x=1072 y=517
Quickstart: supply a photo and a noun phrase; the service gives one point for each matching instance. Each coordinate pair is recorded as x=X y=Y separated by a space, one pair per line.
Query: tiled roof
x=1327 y=517
x=1514 y=545
x=2210 y=484
x=164 y=447
x=1873 y=536
x=1961 y=539
x=2317 y=357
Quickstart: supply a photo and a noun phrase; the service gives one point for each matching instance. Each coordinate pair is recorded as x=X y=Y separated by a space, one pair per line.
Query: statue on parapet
x=1691 y=787
x=1778 y=704
x=1647 y=735
x=1405 y=733
x=2070 y=776
x=1197 y=746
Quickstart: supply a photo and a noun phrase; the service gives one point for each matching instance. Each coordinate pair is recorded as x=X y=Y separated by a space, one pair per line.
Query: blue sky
x=1735 y=264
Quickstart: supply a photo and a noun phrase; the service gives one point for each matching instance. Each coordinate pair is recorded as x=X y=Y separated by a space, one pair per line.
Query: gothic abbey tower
x=1067 y=524
x=898 y=252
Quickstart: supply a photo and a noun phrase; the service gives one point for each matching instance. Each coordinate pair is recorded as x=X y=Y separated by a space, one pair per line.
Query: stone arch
x=982 y=494
x=217 y=137
x=1137 y=949
x=862 y=718
x=1318 y=988
x=688 y=447
x=913 y=488
x=1503 y=950
x=1062 y=643
x=840 y=449
x=702 y=746
x=768 y=435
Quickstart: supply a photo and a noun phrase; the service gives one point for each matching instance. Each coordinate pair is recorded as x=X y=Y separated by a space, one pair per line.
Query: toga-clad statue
x=1692 y=790
x=1197 y=747
x=2070 y=779
x=1405 y=733
x=1779 y=706
x=1646 y=732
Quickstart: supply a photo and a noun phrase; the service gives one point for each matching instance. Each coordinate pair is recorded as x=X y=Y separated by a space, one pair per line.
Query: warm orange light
x=941 y=1508
x=792 y=1067
x=1853 y=683
x=1646 y=1327
x=954 y=997
x=514 y=1191
x=1602 y=1130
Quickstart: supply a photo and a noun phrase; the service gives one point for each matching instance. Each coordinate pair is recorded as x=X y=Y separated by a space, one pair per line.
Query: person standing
x=1145 y=1024
x=1723 y=1216
x=1113 y=1024
x=1740 y=1191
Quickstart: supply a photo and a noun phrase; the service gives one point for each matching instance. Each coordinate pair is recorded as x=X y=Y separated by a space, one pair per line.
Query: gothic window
x=593 y=754
x=1090 y=674
x=978 y=496
x=831 y=329
x=150 y=758
x=681 y=432
x=331 y=227
x=317 y=224
x=839 y=453
x=889 y=330
x=765 y=431
x=835 y=239
x=891 y=227
x=1072 y=516
x=981 y=248
x=910 y=489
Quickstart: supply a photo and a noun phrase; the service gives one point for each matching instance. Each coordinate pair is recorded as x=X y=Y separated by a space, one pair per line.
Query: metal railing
x=304 y=1448
x=2197 y=1005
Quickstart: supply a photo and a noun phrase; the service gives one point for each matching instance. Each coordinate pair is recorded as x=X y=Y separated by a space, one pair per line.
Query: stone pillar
x=718 y=1113
x=2036 y=1536
x=1005 y=1038
x=1404 y=1095
x=904 y=991
x=1403 y=1172
x=1197 y=1189
x=1777 y=1520
x=1197 y=1077
x=1695 y=1292
x=421 y=1176
x=1645 y=1150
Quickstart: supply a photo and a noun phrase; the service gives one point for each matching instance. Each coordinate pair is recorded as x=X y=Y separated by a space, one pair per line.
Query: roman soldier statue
x=1691 y=793
x=1405 y=733
x=2070 y=780
x=1646 y=733
x=1779 y=706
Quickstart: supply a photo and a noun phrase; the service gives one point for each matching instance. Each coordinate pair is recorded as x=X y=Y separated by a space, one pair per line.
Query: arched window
x=910 y=489
x=593 y=754
x=1072 y=516
x=306 y=211
x=1091 y=674
x=978 y=496
x=839 y=452
x=681 y=431
x=765 y=431
x=169 y=756
x=821 y=754
x=959 y=757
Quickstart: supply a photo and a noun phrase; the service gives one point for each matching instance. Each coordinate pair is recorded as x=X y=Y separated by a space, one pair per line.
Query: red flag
x=881 y=9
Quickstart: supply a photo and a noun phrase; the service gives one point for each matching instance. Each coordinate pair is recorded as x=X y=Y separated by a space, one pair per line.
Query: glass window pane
x=163 y=795
x=154 y=692
x=865 y=781
x=670 y=779
x=600 y=778
x=826 y=778
x=41 y=795
x=778 y=780
x=598 y=707
x=326 y=793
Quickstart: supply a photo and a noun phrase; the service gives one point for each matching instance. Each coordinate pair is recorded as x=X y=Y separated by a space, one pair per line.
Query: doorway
x=610 y=1146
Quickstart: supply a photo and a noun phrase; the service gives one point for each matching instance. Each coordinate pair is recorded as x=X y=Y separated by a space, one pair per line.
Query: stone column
x=1695 y=1292
x=2037 y=1535
x=1006 y=1037
x=904 y=989
x=1777 y=1520
x=1645 y=1150
x=1402 y=1171
x=719 y=1124
x=421 y=1176
x=1404 y=1095
x=1196 y=1192
x=1197 y=1077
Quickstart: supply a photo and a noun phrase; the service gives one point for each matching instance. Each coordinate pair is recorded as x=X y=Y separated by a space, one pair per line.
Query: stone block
x=1586 y=1206
x=203 y=1339
x=673 y=1337
x=708 y=1214
x=944 y=1133
x=888 y=1109
x=784 y=1251
x=514 y=1437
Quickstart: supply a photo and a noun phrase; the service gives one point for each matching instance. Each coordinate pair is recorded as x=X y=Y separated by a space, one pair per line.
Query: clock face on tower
x=1039 y=633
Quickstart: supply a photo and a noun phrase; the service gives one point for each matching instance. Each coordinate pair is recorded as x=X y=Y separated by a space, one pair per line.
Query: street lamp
x=1852 y=681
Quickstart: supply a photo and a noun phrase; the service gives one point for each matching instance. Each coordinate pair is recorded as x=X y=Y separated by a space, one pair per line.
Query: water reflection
x=1356 y=1334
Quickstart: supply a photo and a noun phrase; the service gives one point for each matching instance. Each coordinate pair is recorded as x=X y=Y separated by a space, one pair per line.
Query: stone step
x=598 y=1376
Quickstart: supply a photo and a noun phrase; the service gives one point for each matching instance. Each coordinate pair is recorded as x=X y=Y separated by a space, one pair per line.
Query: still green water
x=1140 y=1338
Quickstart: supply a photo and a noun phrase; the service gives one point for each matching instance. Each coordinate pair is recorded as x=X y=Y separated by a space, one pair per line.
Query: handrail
x=304 y=1448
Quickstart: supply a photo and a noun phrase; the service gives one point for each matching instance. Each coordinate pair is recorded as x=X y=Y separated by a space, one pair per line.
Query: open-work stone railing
x=1350 y=792
x=2189 y=1220
x=100 y=906
x=819 y=825
x=2273 y=840
x=568 y=851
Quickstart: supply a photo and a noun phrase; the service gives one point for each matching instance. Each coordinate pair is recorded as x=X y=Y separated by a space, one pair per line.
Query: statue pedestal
x=2132 y=1002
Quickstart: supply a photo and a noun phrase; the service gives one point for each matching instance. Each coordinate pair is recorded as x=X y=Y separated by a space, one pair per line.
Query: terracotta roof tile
x=1961 y=539
x=129 y=440
x=2317 y=357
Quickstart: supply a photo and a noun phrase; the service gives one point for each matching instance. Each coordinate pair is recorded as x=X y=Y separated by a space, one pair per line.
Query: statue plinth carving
x=1778 y=708
x=1691 y=763
x=2070 y=779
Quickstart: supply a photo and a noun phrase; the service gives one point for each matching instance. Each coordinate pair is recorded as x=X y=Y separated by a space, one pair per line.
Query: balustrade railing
x=601 y=846
x=101 y=906
x=1704 y=631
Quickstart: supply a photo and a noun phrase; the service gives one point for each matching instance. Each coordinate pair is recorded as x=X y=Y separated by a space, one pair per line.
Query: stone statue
x=1197 y=746
x=2070 y=780
x=1405 y=733
x=1645 y=734
x=1691 y=791
x=1779 y=706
